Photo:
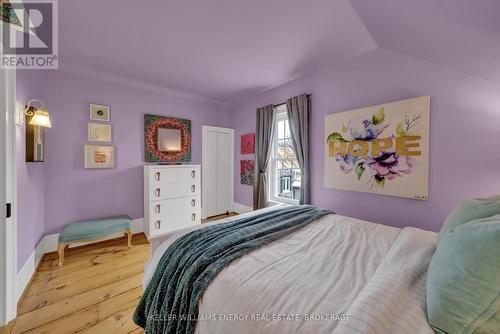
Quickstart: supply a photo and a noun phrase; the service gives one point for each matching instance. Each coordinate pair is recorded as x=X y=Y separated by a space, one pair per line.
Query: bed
x=336 y=275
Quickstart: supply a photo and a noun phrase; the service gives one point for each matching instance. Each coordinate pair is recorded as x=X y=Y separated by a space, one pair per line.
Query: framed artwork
x=382 y=149
x=247 y=172
x=167 y=139
x=100 y=132
x=99 y=156
x=99 y=112
x=248 y=143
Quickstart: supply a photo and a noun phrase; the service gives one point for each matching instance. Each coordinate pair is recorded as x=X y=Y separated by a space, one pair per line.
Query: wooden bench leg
x=60 y=251
x=129 y=238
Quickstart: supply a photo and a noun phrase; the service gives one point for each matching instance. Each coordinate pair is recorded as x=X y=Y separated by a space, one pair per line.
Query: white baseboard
x=241 y=208
x=48 y=244
x=24 y=275
x=138 y=225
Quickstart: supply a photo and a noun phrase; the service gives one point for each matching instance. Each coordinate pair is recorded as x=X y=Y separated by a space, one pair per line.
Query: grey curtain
x=298 y=117
x=264 y=132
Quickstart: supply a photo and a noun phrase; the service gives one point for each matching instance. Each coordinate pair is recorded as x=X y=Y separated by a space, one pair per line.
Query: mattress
x=337 y=275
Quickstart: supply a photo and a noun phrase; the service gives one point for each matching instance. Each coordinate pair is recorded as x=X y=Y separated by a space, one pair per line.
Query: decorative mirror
x=167 y=139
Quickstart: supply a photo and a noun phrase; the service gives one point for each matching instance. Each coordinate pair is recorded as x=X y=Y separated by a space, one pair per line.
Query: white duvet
x=337 y=275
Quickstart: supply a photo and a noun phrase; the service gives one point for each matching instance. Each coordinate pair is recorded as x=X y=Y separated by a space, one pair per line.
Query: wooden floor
x=96 y=291
x=214 y=218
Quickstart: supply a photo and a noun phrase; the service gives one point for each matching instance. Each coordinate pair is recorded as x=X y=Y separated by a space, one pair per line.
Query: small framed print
x=248 y=143
x=247 y=172
x=99 y=156
x=99 y=112
x=100 y=132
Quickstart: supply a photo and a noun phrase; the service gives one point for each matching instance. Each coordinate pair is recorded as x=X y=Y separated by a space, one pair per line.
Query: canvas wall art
x=247 y=172
x=381 y=149
x=162 y=146
x=99 y=156
x=248 y=143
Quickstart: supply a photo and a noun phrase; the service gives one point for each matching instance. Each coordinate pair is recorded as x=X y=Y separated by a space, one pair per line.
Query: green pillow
x=463 y=280
x=470 y=210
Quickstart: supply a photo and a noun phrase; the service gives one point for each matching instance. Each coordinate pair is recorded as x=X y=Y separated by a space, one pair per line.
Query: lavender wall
x=74 y=193
x=30 y=178
x=60 y=190
x=464 y=133
x=464 y=119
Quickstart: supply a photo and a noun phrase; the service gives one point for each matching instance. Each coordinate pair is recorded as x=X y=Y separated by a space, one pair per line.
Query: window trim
x=278 y=116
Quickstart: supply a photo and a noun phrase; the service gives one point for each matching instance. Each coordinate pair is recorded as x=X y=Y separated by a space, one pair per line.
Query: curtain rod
x=282 y=103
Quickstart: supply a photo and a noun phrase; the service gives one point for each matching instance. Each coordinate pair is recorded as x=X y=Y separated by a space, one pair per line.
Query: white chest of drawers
x=171 y=198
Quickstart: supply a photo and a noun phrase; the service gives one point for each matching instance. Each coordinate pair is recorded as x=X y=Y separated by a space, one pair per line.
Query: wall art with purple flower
x=382 y=149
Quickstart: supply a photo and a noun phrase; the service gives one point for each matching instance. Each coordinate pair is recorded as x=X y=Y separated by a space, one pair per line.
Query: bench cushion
x=94 y=229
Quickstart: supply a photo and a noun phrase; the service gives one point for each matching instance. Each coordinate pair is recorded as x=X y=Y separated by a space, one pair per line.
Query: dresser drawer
x=174 y=190
x=172 y=198
x=174 y=214
x=174 y=175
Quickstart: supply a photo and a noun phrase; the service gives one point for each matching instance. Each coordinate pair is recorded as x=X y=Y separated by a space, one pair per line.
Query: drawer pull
x=193 y=216
x=193 y=202
x=158 y=207
x=157 y=176
x=193 y=188
x=158 y=224
x=158 y=192
x=193 y=174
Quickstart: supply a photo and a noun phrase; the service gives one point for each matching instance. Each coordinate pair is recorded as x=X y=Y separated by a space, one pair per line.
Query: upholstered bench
x=93 y=230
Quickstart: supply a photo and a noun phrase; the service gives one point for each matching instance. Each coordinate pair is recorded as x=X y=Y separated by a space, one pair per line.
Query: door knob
x=193 y=188
x=193 y=174
x=193 y=216
x=193 y=202
x=158 y=207
x=158 y=192
x=157 y=176
x=158 y=224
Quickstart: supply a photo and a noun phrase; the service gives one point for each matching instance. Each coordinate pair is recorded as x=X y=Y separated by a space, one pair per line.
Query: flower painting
x=382 y=149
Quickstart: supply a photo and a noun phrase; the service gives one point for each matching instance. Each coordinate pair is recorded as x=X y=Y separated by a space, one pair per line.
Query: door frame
x=8 y=191
x=204 y=130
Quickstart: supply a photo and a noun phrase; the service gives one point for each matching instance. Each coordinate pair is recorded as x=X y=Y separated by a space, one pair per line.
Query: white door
x=218 y=171
x=8 y=262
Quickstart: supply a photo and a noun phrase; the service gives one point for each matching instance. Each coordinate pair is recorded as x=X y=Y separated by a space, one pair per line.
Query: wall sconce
x=19 y=114
x=39 y=117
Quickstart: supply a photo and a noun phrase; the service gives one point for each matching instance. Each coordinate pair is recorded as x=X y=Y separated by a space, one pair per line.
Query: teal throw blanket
x=170 y=302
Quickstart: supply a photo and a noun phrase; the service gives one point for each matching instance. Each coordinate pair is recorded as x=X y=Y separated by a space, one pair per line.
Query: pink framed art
x=248 y=143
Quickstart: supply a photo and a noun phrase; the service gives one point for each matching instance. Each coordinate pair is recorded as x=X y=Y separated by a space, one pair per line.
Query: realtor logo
x=29 y=34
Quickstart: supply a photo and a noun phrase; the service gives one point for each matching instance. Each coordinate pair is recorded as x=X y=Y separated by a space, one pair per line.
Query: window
x=284 y=171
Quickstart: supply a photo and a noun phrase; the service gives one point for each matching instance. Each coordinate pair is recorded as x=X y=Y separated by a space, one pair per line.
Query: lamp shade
x=41 y=118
